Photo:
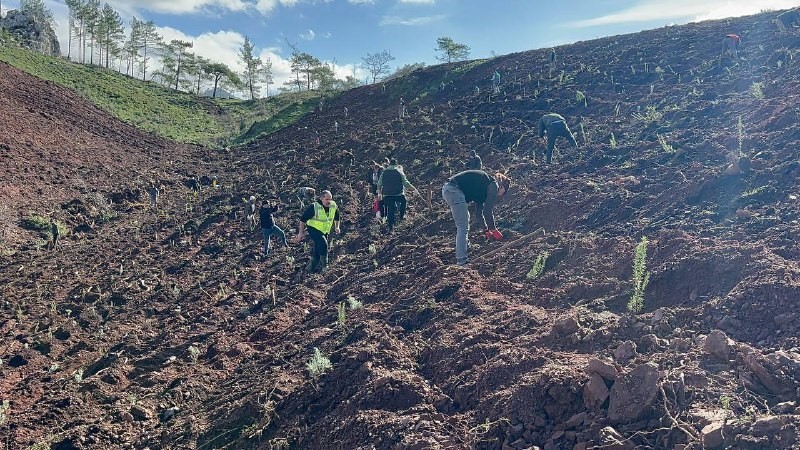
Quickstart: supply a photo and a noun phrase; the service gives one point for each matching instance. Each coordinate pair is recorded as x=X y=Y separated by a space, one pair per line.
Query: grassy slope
x=172 y=114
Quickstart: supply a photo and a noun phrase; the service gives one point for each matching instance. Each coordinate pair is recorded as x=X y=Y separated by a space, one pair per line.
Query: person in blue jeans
x=268 y=227
x=483 y=189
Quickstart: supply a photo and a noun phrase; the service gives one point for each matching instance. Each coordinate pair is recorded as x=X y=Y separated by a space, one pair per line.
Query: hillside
x=170 y=330
x=171 y=114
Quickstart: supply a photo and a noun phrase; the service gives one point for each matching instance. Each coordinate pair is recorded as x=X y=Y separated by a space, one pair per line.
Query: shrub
x=36 y=222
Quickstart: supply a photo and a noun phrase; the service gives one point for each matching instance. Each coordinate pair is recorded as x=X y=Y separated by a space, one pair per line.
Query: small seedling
x=640 y=276
x=664 y=145
x=341 y=317
x=318 y=364
x=580 y=97
x=354 y=302
x=538 y=266
x=4 y=407
x=613 y=142
x=194 y=354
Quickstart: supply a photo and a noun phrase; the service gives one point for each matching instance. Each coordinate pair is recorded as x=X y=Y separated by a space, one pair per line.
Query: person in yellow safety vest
x=318 y=220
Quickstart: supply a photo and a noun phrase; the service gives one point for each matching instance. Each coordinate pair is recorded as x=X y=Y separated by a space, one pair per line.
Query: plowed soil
x=169 y=329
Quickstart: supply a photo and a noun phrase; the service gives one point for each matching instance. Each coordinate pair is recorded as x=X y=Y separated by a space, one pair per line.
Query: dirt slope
x=170 y=330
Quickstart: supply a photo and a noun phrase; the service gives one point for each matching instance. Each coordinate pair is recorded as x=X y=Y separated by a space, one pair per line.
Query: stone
x=575 y=421
x=711 y=435
x=767 y=426
x=610 y=439
x=603 y=368
x=784 y=407
x=567 y=325
x=140 y=413
x=625 y=352
x=718 y=345
x=169 y=413
x=633 y=394
x=708 y=416
x=519 y=444
x=595 y=391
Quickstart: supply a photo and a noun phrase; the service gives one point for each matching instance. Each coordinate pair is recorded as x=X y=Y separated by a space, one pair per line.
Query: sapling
x=640 y=276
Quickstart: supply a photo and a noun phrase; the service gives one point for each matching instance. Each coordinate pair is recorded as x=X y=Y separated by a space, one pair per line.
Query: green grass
x=280 y=112
x=172 y=114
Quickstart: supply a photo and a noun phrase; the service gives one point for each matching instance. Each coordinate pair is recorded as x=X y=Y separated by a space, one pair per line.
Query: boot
x=312 y=265
x=323 y=266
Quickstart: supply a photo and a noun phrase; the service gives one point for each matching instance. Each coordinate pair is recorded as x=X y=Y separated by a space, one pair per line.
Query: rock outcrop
x=31 y=32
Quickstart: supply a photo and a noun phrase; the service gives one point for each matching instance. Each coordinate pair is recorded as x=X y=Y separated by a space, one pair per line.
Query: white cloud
x=411 y=21
x=308 y=35
x=361 y=2
x=690 y=10
x=266 y=6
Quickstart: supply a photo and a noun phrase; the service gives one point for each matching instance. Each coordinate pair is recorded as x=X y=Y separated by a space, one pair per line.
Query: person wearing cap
x=555 y=126
x=268 y=226
x=392 y=190
x=318 y=220
x=483 y=189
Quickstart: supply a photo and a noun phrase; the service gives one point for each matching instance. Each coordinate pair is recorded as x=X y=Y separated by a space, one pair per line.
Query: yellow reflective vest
x=322 y=221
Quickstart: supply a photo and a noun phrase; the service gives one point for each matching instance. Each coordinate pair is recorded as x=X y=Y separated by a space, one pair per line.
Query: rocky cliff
x=31 y=32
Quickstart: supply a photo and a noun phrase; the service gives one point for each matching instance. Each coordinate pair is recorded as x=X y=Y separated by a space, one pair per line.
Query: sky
x=344 y=31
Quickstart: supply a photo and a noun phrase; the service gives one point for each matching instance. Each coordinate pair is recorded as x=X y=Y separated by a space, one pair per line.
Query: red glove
x=496 y=234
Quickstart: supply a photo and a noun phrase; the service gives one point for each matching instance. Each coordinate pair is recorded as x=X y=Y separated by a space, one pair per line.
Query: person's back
x=548 y=119
x=392 y=181
x=266 y=215
x=556 y=126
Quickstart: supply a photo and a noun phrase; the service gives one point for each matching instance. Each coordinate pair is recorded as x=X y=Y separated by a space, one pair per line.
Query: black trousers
x=395 y=204
x=320 y=243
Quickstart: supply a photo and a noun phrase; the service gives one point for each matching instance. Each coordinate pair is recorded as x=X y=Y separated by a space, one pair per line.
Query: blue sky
x=346 y=30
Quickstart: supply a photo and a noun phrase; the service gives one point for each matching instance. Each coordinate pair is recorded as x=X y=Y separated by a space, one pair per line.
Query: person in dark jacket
x=474 y=162
x=392 y=191
x=268 y=227
x=483 y=189
x=555 y=126
x=319 y=219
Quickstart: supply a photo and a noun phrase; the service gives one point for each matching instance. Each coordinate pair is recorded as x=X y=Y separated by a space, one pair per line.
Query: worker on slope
x=730 y=47
x=483 y=189
x=392 y=186
x=317 y=221
x=555 y=126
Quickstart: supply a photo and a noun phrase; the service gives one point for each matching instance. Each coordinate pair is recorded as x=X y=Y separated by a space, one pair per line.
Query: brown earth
x=170 y=330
